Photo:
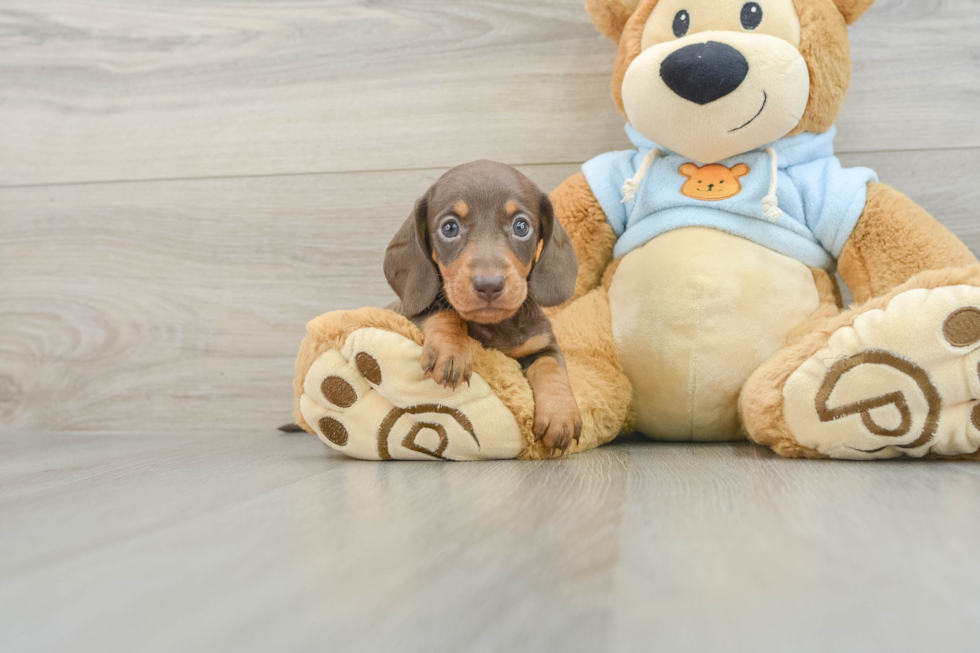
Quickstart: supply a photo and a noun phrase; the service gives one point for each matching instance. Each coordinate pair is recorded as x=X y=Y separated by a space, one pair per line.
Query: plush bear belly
x=694 y=312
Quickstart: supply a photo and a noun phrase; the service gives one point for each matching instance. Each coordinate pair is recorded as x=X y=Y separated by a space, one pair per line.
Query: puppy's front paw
x=557 y=422
x=448 y=362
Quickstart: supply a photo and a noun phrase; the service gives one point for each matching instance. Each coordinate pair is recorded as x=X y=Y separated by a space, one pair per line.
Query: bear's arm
x=893 y=240
x=578 y=210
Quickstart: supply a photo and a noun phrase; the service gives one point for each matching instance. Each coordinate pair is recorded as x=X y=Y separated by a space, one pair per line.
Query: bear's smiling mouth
x=765 y=98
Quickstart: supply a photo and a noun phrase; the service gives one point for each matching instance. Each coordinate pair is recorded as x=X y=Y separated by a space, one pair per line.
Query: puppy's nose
x=488 y=288
x=704 y=72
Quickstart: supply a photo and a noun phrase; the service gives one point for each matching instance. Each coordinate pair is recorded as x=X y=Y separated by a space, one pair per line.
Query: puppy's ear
x=552 y=279
x=409 y=268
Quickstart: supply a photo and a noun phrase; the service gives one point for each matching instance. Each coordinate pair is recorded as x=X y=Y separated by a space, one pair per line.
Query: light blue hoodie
x=819 y=201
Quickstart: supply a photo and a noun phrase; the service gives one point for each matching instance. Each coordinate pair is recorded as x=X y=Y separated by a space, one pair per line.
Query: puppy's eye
x=682 y=23
x=521 y=228
x=751 y=15
x=450 y=228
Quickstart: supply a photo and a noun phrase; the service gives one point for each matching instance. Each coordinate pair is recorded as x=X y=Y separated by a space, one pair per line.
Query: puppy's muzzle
x=704 y=72
x=488 y=288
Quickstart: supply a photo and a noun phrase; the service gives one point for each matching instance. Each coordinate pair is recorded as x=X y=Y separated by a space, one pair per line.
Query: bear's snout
x=704 y=72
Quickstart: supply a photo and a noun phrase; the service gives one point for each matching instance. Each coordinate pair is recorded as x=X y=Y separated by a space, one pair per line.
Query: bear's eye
x=682 y=23
x=751 y=15
x=722 y=181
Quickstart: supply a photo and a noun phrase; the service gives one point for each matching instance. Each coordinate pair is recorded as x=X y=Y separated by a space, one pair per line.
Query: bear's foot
x=902 y=379
x=371 y=400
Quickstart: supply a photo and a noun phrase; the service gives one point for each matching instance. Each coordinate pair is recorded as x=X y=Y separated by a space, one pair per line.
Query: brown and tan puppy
x=473 y=265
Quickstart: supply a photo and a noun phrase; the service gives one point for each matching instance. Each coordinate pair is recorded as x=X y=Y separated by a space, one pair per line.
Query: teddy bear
x=706 y=306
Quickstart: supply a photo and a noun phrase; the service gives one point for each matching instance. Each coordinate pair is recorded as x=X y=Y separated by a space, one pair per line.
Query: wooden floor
x=250 y=541
x=184 y=184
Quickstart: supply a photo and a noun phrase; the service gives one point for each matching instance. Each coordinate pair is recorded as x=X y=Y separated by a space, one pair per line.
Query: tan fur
x=609 y=16
x=447 y=355
x=457 y=280
x=510 y=207
x=556 y=416
x=461 y=208
x=579 y=212
x=852 y=9
x=894 y=240
x=532 y=345
x=584 y=332
x=761 y=402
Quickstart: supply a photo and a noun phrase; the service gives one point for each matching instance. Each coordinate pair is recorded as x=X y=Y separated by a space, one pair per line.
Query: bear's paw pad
x=371 y=400
x=900 y=381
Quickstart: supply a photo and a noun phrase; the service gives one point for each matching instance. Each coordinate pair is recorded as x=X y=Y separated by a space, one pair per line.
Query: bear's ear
x=610 y=16
x=740 y=170
x=852 y=9
x=688 y=170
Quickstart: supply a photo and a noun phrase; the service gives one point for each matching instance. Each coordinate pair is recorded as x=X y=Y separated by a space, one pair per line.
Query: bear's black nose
x=704 y=72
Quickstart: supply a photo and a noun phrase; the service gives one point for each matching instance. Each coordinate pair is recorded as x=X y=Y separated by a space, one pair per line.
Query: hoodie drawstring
x=770 y=203
x=632 y=185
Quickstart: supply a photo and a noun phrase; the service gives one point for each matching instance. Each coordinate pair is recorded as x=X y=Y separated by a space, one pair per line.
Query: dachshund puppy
x=480 y=255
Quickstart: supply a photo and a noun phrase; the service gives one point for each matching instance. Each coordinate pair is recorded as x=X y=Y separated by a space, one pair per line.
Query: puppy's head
x=489 y=237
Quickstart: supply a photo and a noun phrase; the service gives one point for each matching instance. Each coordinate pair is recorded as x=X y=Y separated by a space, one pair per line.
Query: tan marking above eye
x=510 y=207
x=461 y=208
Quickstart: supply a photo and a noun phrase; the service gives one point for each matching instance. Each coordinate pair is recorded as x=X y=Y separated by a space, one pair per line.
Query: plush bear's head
x=711 y=79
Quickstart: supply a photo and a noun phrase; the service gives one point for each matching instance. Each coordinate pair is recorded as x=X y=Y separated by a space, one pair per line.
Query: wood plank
x=105 y=90
x=732 y=548
x=143 y=306
x=245 y=541
x=204 y=545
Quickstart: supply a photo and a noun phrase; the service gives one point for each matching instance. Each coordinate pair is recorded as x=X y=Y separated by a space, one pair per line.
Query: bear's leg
x=895 y=376
x=360 y=387
x=603 y=393
x=899 y=375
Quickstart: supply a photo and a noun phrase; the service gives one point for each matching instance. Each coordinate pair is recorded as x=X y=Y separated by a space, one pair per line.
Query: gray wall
x=184 y=184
